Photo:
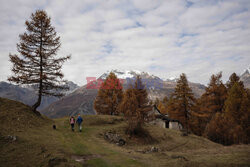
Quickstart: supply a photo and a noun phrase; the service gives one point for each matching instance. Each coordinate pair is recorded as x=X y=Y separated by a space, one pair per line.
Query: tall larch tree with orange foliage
x=211 y=102
x=182 y=102
x=237 y=108
x=136 y=107
x=109 y=96
x=37 y=63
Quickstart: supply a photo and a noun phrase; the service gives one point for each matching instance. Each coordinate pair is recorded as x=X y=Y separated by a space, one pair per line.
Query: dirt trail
x=84 y=158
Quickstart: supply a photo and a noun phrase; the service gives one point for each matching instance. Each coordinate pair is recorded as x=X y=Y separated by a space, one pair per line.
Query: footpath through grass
x=90 y=144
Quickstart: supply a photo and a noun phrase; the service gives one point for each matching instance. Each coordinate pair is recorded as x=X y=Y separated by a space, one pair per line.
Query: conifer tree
x=37 y=63
x=232 y=125
x=215 y=95
x=162 y=106
x=235 y=101
x=165 y=100
x=109 y=96
x=172 y=106
x=221 y=129
x=182 y=101
x=136 y=106
x=237 y=108
x=211 y=102
x=233 y=79
x=129 y=107
x=142 y=99
x=157 y=101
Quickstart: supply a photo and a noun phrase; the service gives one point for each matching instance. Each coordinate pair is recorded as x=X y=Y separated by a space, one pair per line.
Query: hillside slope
x=29 y=140
x=25 y=138
x=16 y=117
x=80 y=101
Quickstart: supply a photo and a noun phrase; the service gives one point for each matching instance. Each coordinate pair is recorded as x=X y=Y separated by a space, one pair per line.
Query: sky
x=162 y=37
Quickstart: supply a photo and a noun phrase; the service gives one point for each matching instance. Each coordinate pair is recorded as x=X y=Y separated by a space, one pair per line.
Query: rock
x=121 y=142
x=56 y=161
x=179 y=157
x=113 y=137
x=10 y=138
x=184 y=133
x=83 y=158
x=154 y=149
x=141 y=151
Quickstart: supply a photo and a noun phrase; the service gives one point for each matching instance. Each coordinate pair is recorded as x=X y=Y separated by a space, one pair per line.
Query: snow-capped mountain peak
x=246 y=71
x=123 y=74
x=245 y=77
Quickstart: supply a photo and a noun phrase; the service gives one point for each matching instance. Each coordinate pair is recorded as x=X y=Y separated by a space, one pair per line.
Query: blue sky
x=162 y=37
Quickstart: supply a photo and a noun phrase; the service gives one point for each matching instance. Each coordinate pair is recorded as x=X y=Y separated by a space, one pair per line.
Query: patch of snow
x=246 y=71
x=123 y=74
x=172 y=79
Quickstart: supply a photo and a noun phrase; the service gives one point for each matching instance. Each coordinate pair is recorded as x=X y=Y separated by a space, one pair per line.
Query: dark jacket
x=79 y=120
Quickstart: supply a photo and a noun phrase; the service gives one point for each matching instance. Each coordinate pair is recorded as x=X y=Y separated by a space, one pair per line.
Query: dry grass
x=38 y=144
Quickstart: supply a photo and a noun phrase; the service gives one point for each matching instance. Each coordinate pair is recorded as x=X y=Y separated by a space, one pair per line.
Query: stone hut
x=164 y=121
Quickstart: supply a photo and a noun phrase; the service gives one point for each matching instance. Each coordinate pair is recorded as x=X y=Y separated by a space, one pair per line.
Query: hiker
x=72 y=122
x=79 y=122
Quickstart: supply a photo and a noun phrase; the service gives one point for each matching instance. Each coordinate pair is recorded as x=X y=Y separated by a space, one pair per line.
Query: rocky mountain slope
x=81 y=100
x=245 y=77
x=27 y=94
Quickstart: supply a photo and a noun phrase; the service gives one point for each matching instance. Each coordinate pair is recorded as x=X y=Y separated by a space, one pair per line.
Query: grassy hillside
x=17 y=117
x=27 y=140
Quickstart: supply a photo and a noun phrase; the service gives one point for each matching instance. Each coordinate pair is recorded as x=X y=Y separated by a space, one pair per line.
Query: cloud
x=165 y=38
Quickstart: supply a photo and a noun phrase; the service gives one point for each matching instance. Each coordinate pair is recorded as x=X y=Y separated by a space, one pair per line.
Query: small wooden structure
x=164 y=121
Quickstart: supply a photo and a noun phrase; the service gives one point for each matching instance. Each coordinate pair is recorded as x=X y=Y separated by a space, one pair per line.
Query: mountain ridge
x=81 y=100
x=245 y=78
x=27 y=94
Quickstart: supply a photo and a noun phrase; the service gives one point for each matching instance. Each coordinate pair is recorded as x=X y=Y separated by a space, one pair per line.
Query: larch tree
x=129 y=107
x=157 y=101
x=144 y=106
x=183 y=102
x=232 y=125
x=234 y=78
x=211 y=102
x=237 y=108
x=109 y=96
x=221 y=129
x=162 y=106
x=136 y=107
x=215 y=95
x=37 y=63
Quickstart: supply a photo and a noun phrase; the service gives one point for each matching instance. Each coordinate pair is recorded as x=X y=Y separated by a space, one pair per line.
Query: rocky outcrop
x=113 y=137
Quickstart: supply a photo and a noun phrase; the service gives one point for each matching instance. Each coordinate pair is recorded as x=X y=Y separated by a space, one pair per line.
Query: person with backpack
x=72 y=122
x=79 y=122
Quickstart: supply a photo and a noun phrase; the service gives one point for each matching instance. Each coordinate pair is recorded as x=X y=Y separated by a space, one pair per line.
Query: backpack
x=72 y=120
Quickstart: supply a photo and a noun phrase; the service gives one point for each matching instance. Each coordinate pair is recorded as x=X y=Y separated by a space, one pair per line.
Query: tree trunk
x=186 y=117
x=37 y=104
